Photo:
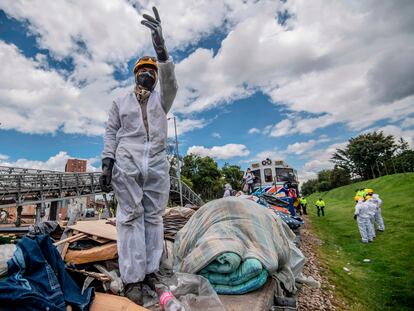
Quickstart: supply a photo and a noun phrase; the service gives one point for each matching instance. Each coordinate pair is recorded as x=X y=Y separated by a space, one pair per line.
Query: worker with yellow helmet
x=371 y=207
x=135 y=163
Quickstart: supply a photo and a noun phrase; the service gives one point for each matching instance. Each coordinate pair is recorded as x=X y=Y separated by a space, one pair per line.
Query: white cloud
x=54 y=163
x=273 y=154
x=407 y=135
x=220 y=152
x=184 y=125
x=302 y=147
x=318 y=160
x=314 y=70
x=346 y=62
x=3 y=157
x=282 y=128
x=216 y=135
x=254 y=130
x=407 y=123
x=299 y=148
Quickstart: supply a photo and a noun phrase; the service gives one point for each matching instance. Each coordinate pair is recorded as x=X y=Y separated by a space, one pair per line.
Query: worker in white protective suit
x=378 y=212
x=372 y=208
x=362 y=217
x=135 y=163
x=227 y=190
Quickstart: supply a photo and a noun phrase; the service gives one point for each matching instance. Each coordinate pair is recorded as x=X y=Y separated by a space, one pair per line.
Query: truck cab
x=272 y=172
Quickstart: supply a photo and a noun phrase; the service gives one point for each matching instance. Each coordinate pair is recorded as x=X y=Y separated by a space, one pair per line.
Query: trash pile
x=225 y=235
x=230 y=246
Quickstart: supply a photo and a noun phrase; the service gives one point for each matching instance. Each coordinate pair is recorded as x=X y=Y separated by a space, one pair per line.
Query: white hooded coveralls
x=378 y=212
x=372 y=208
x=361 y=210
x=140 y=176
x=227 y=190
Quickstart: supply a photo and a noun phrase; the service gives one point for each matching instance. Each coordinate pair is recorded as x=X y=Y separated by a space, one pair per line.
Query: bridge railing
x=29 y=186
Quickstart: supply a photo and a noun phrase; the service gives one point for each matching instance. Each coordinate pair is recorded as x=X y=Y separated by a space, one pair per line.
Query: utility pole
x=178 y=162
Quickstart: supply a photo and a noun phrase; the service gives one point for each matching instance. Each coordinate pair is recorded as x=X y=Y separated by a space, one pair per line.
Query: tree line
x=365 y=157
x=203 y=175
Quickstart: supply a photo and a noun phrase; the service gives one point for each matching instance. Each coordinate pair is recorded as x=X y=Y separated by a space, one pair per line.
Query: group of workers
x=367 y=213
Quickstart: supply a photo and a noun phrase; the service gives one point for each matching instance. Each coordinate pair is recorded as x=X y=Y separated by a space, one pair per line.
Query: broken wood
x=98 y=239
x=73 y=238
x=66 y=246
x=96 y=275
x=99 y=253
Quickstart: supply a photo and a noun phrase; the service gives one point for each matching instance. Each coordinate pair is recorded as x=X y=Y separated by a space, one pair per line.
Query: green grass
x=387 y=282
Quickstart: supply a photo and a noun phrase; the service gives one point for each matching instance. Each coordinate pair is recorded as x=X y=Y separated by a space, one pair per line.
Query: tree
x=233 y=175
x=404 y=162
x=366 y=153
x=205 y=175
x=324 y=180
x=339 y=177
x=308 y=187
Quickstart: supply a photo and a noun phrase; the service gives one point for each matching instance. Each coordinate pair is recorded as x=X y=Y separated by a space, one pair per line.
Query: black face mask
x=146 y=80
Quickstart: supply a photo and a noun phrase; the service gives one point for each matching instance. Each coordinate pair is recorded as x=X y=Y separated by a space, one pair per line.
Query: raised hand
x=156 y=31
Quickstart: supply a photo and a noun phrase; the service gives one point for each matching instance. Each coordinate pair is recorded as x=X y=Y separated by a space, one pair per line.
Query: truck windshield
x=285 y=174
x=268 y=175
x=256 y=173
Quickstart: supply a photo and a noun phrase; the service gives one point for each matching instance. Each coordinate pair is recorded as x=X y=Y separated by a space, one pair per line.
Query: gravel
x=322 y=298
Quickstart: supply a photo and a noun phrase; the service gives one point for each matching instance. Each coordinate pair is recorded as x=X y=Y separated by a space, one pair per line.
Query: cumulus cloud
x=54 y=163
x=313 y=70
x=302 y=147
x=318 y=160
x=273 y=154
x=407 y=123
x=407 y=135
x=253 y=130
x=184 y=125
x=216 y=135
x=340 y=62
x=220 y=152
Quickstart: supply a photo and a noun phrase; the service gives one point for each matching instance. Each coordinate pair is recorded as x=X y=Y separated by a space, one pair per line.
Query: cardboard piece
x=97 y=228
x=98 y=253
x=107 y=302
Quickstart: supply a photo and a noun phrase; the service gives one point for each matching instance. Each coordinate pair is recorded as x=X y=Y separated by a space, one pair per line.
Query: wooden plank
x=97 y=228
x=66 y=246
x=260 y=299
x=98 y=239
x=99 y=276
x=107 y=302
x=73 y=238
x=99 y=253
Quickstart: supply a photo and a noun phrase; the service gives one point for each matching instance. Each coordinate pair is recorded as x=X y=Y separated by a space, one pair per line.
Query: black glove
x=106 y=177
x=157 y=40
x=355 y=217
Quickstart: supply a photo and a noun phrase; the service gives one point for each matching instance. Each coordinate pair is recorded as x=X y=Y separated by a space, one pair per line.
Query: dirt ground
x=322 y=298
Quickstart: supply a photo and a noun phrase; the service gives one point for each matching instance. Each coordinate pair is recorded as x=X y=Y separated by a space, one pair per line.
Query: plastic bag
x=193 y=291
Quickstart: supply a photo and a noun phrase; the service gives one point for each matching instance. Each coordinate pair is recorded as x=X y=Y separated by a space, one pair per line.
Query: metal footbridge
x=23 y=186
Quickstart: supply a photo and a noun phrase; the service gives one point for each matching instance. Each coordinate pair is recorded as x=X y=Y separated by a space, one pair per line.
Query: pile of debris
x=86 y=255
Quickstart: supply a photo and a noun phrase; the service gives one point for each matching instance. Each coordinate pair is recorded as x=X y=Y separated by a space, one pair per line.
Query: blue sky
x=288 y=80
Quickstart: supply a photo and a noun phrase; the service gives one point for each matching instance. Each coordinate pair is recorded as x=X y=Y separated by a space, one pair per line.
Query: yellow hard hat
x=369 y=191
x=146 y=61
x=356 y=198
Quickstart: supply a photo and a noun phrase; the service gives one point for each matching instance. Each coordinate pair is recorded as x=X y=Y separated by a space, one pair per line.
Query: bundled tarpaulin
x=229 y=275
x=37 y=280
x=242 y=227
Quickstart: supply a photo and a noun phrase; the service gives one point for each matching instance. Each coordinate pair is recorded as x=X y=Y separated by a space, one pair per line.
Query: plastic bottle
x=167 y=300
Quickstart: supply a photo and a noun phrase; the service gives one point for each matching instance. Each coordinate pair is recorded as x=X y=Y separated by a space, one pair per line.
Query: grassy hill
x=387 y=282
